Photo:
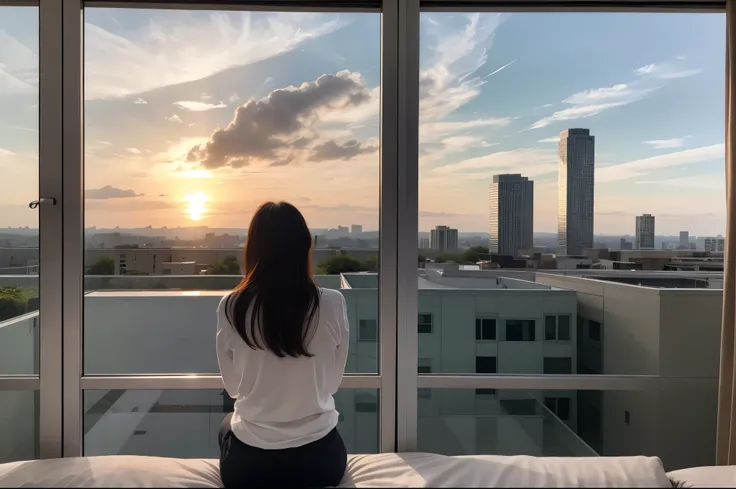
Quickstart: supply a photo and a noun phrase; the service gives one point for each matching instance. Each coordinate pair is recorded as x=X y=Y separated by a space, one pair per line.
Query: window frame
x=60 y=147
x=479 y=328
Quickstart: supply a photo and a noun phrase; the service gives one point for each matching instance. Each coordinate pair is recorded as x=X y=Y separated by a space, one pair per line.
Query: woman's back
x=284 y=402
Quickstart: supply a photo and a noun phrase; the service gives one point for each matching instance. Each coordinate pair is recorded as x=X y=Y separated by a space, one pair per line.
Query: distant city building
x=510 y=214
x=645 y=232
x=356 y=229
x=684 y=240
x=709 y=243
x=575 y=187
x=626 y=245
x=443 y=239
x=423 y=243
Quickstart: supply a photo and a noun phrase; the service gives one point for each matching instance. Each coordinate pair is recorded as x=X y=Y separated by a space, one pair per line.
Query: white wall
x=648 y=331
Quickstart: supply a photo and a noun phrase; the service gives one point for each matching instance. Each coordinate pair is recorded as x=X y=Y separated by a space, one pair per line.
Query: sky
x=195 y=118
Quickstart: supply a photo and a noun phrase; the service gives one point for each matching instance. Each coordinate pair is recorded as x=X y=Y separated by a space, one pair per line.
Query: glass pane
x=563 y=328
x=18 y=425
x=185 y=423
x=243 y=107
x=550 y=328
x=535 y=160
x=574 y=423
x=19 y=258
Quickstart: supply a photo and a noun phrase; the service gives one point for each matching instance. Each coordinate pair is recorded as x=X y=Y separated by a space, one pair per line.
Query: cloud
x=174 y=118
x=528 y=162
x=18 y=67
x=233 y=98
x=450 y=80
x=280 y=126
x=109 y=192
x=431 y=130
x=331 y=150
x=645 y=166
x=119 y=64
x=6 y=152
x=135 y=151
x=501 y=68
x=666 y=71
x=591 y=102
x=198 y=106
x=713 y=181
x=666 y=143
x=140 y=101
x=555 y=139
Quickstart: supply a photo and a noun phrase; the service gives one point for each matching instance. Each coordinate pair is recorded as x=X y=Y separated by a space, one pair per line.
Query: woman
x=282 y=343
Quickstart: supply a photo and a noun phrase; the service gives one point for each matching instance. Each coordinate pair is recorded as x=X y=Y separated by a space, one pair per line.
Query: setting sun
x=196 y=205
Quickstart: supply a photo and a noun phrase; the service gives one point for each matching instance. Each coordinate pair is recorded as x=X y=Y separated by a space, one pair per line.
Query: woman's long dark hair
x=278 y=284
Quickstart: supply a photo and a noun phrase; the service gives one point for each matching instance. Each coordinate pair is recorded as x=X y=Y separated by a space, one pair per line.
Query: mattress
x=379 y=470
x=721 y=476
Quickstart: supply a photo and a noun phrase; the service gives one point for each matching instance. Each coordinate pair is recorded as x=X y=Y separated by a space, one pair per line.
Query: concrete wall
x=648 y=331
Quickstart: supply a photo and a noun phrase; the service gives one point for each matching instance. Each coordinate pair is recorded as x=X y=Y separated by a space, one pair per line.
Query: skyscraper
x=443 y=239
x=575 y=188
x=684 y=240
x=645 y=232
x=356 y=228
x=510 y=214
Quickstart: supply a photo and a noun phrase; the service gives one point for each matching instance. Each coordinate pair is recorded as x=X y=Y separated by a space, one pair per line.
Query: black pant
x=317 y=464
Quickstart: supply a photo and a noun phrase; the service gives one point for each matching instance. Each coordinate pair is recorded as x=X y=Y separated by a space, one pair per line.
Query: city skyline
x=493 y=101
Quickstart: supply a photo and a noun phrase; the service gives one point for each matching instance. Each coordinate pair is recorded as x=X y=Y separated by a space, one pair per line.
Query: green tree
x=475 y=254
x=227 y=266
x=12 y=302
x=448 y=258
x=371 y=263
x=104 y=266
x=338 y=264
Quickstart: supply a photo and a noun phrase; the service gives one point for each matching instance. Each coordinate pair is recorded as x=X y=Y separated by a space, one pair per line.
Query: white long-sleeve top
x=285 y=402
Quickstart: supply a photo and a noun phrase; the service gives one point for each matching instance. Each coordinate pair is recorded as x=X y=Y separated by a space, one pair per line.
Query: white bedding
x=721 y=476
x=382 y=470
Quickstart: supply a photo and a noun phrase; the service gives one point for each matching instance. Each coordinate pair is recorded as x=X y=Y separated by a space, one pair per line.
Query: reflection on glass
x=572 y=423
x=185 y=423
x=19 y=258
x=592 y=155
x=18 y=425
x=242 y=107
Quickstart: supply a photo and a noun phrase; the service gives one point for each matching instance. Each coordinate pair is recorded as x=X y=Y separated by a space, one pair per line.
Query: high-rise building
x=356 y=229
x=510 y=214
x=575 y=187
x=443 y=239
x=684 y=240
x=645 y=232
x=423 y=243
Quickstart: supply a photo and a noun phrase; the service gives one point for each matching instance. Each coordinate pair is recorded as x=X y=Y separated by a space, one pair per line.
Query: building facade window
x=485 y=365
x=424 y=323
x=594 y=330
x=485 y=329
x=520 y=330
x=560 y=406
x=557 y=328
x=559 y=366
x=367 y=330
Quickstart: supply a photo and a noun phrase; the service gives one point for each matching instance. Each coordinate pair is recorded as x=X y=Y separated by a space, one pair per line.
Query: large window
x=241 y=108
x=555 y=151
x=19 y=228
x=569 y=171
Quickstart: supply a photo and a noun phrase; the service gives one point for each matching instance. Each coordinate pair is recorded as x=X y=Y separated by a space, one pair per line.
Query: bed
x=379 y=470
